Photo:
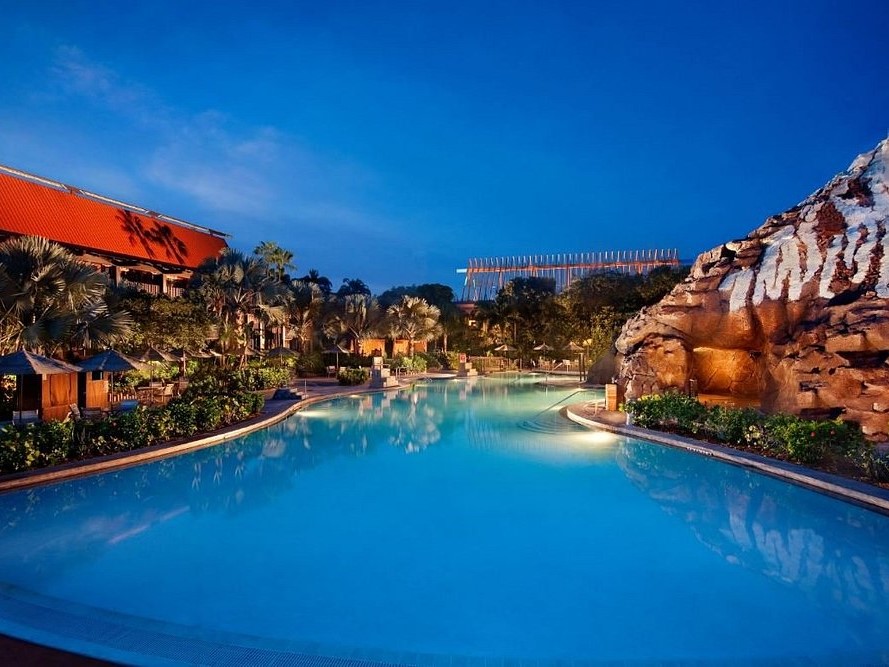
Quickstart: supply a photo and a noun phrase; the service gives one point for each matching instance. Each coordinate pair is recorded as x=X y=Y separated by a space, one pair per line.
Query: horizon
x=393 y=142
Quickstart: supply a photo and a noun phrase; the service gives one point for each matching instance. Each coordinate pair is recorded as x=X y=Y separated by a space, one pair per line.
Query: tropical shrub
x=50 y=443
x=669 y=411
x=786 y=436
x=414 y=364
x=731 y=425
x=309 y=364
x=450 y=361
x=433 y=362
x=352 y=376
x=257 y=376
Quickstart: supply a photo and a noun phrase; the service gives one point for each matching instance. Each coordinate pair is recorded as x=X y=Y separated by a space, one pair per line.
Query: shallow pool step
x=553 y=423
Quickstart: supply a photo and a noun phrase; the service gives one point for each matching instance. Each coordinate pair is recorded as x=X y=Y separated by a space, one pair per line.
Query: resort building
x=132 y=245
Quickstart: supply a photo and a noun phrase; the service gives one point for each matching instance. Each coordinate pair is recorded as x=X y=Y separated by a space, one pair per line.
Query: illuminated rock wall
x=796 y=313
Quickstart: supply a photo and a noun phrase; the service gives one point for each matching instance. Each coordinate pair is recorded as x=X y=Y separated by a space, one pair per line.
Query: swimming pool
x=452 y=522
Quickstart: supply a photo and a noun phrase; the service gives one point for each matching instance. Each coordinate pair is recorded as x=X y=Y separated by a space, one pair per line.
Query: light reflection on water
x=463 y=518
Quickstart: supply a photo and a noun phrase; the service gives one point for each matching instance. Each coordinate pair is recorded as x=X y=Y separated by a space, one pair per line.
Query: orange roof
x=38 y=207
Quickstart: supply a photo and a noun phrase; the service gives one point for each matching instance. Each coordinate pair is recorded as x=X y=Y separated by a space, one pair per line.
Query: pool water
x=455 y=521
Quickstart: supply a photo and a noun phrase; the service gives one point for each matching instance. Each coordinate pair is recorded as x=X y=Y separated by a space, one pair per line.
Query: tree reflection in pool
x=454 y=520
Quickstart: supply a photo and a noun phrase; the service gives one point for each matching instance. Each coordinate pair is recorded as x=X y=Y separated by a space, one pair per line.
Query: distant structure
x=485 y=277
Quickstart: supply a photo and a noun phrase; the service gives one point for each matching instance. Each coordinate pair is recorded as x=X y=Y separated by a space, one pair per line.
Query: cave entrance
x=733 y=374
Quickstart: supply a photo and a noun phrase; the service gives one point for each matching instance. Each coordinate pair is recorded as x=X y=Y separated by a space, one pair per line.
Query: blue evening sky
x=390 y=141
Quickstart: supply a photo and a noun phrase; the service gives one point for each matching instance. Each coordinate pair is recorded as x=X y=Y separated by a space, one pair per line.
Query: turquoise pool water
x=452 y=523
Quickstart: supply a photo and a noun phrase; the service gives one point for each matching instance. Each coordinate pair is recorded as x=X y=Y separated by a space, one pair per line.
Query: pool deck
x=592 y=415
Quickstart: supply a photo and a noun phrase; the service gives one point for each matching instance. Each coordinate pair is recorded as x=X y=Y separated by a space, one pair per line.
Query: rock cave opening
x=730 y=372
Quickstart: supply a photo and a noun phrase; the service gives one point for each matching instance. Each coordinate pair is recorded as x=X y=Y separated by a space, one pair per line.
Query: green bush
x=877 y=464
x=351 y=376
x=51 y=443
x=787 y=436
x=309 y=364
x=414 y=364
x=813 y=442
x=257 y=376
x=731 y=425
x=222 y=381
x=433 y=361
x=669 y=411
x=450 y=361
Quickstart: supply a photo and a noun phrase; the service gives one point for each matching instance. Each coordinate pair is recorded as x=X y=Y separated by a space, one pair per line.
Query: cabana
x=45 y=387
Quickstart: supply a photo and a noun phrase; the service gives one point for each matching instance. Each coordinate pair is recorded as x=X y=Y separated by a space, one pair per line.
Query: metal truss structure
x=486 y=276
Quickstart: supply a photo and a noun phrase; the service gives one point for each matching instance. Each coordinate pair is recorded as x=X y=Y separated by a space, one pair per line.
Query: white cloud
x=216 y=162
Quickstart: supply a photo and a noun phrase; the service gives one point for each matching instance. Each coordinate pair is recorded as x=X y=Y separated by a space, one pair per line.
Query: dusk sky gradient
x=391 y=141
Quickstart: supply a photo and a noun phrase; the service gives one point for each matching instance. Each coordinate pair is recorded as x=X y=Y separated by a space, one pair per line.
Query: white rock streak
x=792 y=259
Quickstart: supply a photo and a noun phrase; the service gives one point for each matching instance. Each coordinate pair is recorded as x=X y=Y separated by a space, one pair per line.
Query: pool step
x=552 y=423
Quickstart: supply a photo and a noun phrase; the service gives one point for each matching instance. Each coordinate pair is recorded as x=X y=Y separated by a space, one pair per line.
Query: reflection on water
x=47 y=529
x=836 y=553
x=43 y=529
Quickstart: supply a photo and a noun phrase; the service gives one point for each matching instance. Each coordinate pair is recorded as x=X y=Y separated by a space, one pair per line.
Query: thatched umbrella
x=577 y=349
x=27 y=363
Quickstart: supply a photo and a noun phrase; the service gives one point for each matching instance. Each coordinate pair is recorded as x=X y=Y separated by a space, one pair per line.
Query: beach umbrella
x=27 y=363
x=111 y=361
x=153 y=354
x=281 y=352
x=577 y=349
x=504 y=348
x=336 y=349
x=543 y=347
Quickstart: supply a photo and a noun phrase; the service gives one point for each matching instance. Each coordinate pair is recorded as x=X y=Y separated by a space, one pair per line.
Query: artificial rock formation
x=796 y=314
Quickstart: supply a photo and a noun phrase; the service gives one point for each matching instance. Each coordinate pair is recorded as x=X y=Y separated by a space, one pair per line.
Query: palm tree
x=276 y=258
x=323 y=282
x=356 y=317
x=414 y=319
x=302 y=307
x=49 y=299
x=237 y=288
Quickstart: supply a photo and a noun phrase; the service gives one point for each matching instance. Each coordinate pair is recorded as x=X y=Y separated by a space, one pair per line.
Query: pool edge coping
x=871 y=497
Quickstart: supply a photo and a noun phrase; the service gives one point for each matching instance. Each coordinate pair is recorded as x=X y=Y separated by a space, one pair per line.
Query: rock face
x=796 y=314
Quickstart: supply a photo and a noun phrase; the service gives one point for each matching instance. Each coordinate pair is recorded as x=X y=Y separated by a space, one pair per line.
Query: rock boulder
x=795 y=314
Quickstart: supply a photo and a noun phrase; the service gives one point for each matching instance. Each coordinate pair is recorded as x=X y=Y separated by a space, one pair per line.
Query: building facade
x=132 y=245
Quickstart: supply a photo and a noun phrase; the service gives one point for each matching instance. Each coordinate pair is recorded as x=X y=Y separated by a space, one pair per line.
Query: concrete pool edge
x=865 y=495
